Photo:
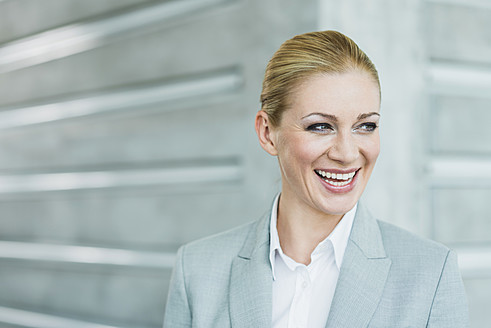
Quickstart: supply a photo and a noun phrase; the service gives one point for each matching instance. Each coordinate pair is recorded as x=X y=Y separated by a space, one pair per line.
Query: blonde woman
x=319 y=259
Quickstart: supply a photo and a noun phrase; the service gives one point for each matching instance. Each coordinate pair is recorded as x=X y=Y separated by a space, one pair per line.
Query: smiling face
x=327 y=142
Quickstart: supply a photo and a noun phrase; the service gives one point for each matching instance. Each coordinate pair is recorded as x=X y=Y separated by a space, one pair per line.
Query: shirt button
x=305 y=284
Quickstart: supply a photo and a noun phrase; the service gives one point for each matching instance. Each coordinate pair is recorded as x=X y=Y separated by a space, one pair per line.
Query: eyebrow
x=335 y=119
x=362 y=116
x=329 y=116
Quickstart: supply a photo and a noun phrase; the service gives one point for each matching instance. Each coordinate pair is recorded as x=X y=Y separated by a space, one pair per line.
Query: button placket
x=299 y=310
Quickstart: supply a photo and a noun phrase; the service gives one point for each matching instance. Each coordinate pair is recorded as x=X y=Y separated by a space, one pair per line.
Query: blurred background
x=126 y=130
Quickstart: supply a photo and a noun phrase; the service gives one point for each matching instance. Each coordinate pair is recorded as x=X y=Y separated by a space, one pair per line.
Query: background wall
x=126 y=130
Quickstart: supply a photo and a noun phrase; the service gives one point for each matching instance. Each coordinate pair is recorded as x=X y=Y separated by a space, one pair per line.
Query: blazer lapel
x=251 y=281
x=362 y=276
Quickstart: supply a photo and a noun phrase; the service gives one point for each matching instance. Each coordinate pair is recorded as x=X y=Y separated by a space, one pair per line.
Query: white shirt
x=302 y=295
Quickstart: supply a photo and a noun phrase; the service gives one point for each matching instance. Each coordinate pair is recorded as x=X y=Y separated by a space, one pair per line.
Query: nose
x=344 y=150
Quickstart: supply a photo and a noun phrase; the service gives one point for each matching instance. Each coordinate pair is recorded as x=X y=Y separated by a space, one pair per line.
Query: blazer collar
x=362 y=276
x=251 y=282
x=366 y=234
x=258 y=237
x=360 y=285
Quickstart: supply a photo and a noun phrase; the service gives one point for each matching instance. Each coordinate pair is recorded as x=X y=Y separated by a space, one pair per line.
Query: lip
x=345 y=171
x=339 y=189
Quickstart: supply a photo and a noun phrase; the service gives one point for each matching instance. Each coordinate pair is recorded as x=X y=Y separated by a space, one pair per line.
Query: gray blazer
x=389 y=278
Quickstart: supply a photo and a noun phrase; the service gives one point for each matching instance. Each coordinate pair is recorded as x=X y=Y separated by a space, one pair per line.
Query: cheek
x=371 y=150
x=298 y=151
x=308 y=150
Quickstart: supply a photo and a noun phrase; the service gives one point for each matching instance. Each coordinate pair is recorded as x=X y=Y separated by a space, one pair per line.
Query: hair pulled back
x=328 y=52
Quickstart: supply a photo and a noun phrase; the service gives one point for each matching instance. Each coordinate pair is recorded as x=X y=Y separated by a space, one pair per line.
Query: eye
x=320 y=127
x=367 y=127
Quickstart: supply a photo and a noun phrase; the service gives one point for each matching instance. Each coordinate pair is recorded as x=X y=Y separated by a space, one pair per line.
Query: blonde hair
x=304 y=55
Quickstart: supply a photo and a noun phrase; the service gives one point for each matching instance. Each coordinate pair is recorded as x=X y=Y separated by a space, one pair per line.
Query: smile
x=336 y=179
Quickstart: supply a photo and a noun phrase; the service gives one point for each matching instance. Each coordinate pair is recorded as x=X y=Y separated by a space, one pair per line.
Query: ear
x=265 y=133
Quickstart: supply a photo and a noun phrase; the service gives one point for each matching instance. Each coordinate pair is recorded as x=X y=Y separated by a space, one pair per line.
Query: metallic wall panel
x=16 y=318
x=85 y=255
x=139 y=220
x=44 y=15
x=154 y=136
x=455 y=129
x=77 y=38
x=459 y=80
x=462 y=215
x=164 y=96
x=459 y=32
x=131 y=297
x=165 y=52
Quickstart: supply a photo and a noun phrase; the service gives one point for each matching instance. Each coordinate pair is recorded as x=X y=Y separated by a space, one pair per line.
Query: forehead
x=343 y=94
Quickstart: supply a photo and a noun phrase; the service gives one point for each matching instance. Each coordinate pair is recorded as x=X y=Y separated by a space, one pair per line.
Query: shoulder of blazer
x=415 y=255
x=407 y=251
x=400 y=241
x=224 y=246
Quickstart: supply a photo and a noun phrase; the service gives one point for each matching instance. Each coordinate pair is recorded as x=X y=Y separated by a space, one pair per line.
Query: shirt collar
x=274 y=240
x=338 y=237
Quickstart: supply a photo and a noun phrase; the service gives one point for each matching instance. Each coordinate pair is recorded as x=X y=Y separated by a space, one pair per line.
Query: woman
x=319 y=259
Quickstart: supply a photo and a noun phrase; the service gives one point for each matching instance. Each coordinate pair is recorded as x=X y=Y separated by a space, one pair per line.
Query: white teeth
x=338 y=176
x=340 y=183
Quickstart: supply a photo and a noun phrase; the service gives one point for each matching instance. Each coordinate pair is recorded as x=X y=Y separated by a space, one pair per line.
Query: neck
x=301 y=228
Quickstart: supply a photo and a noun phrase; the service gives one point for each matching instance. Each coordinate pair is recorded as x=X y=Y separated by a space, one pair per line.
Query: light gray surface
x=98 y=141
x=459 y=32
x=42 y=15
x=150 y=219
x=129 y=297
x=458 y=40
x=468 y=211
x=455 y=128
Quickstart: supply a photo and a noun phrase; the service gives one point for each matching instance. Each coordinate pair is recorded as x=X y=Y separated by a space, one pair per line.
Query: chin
x=336 y=206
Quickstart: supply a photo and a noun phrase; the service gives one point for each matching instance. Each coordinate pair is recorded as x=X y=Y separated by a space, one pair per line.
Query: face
x=327 y=142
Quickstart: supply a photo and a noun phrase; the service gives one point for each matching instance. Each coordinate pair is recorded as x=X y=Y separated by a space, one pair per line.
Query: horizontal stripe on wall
x=459 y=79
x=460 y=215
x=475 y=262
x=76 y=38
x=39 y=320
x=122 y=178
x=123 y=99
x=478 y=4
x=85 y=255
x=449 y=171
x=459 y=125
